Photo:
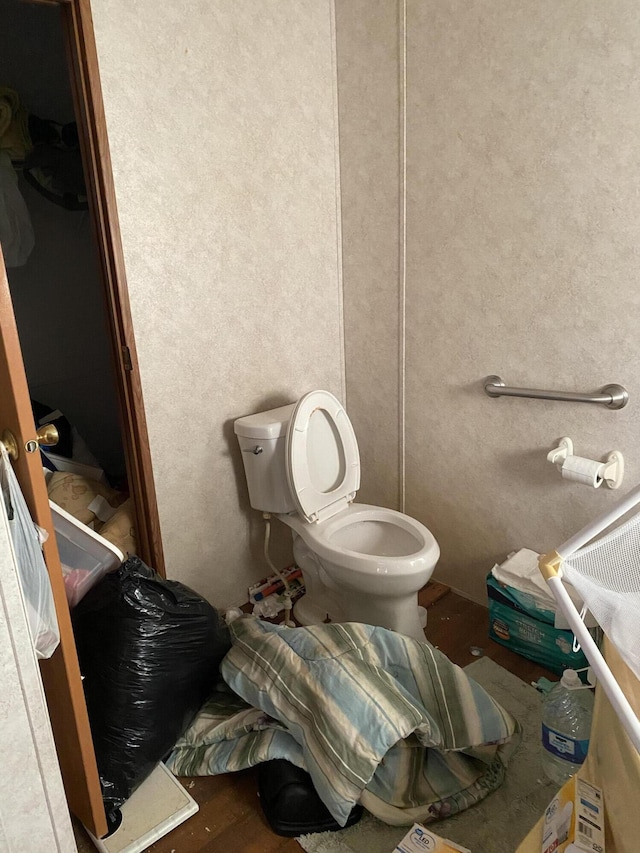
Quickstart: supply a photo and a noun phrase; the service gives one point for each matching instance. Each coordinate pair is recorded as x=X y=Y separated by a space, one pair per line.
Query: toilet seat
x=322 y=458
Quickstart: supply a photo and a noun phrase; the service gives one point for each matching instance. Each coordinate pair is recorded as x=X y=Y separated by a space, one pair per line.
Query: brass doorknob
x=10 y=444
x=47 y=435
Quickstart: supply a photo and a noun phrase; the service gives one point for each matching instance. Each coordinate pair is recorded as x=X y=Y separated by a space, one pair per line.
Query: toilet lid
x=323 y=463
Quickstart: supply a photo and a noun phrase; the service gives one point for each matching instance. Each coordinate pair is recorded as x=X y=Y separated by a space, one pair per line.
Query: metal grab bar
x=611 y=396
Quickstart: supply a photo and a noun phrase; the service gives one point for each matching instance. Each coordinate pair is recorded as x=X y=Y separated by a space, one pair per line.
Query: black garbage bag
x=149 y=651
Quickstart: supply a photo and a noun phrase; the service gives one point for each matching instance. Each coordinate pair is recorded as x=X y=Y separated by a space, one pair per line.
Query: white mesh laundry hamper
x=604 y=568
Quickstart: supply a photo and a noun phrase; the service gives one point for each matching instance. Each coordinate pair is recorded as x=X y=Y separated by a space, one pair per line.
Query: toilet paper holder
x=611 y=470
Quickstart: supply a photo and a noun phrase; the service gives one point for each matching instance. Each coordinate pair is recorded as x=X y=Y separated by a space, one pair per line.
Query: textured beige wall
x=369 y=110
x=522 y=249
x=222 y=127
x=522 y=217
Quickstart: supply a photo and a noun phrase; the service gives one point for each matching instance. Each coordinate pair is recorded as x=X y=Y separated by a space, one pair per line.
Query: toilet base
x=398 y=614
x=410 y=620
x=325 y=600
x=307 y=613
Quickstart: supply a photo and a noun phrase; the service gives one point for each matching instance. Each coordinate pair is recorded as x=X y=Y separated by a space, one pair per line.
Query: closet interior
x=54 y=273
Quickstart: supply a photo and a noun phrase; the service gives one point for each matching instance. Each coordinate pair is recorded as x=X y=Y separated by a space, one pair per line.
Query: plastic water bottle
x=566 y=725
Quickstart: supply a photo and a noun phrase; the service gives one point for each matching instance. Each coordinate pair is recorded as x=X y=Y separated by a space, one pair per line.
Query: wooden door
x=61 y=673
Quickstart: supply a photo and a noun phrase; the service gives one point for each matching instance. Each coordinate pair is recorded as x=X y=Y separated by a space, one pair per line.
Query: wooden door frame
x=82 y=60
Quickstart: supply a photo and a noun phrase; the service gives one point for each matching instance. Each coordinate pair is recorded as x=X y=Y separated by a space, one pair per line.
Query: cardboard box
x=574 y=819
x=528 y=631
x=419 y=839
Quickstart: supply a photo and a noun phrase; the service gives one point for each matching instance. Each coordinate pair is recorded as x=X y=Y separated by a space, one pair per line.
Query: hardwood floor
x=230 y=819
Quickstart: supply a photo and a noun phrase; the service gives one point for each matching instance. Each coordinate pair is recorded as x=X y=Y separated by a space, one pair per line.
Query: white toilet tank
x=262 y=439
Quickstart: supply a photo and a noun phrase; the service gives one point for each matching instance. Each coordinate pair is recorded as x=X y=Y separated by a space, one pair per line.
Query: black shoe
x=291 y=803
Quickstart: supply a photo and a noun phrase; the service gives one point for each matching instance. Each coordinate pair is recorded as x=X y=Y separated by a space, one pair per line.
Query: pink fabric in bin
x=74 y=582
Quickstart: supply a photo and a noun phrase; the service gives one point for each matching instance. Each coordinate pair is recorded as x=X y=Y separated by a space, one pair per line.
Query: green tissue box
x=529 y=631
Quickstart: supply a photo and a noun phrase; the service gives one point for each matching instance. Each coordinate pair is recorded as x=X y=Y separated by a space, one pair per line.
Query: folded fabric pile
x=375 y=717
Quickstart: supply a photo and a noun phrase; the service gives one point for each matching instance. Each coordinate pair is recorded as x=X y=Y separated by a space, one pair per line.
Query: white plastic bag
x=32 y=570
x=16 y=231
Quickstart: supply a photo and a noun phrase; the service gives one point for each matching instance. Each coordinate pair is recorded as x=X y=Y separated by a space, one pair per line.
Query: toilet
x=360 y=563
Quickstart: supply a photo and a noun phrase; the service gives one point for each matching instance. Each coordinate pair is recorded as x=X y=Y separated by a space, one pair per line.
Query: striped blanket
x=372 y=715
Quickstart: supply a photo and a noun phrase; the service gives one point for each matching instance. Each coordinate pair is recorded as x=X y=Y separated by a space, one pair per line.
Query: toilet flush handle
x=255 y=450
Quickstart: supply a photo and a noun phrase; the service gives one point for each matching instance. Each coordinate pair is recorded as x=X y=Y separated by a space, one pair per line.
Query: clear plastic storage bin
x=86 y=557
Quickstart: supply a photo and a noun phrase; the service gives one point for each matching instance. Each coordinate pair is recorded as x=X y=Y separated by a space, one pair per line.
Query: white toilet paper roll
x=582 y=470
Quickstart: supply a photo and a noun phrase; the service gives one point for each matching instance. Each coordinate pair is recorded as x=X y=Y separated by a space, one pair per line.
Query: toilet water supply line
x=286 y=595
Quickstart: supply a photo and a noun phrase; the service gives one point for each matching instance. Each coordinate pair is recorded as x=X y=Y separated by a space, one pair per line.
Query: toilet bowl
x=359 y=562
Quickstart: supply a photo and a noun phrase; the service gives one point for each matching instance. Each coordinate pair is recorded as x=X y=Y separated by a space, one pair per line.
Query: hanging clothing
x=15 y=140
x=16 y=232
x=53 y=167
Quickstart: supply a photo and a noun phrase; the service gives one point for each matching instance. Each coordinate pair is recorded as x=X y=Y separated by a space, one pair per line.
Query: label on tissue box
x=421 y=840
